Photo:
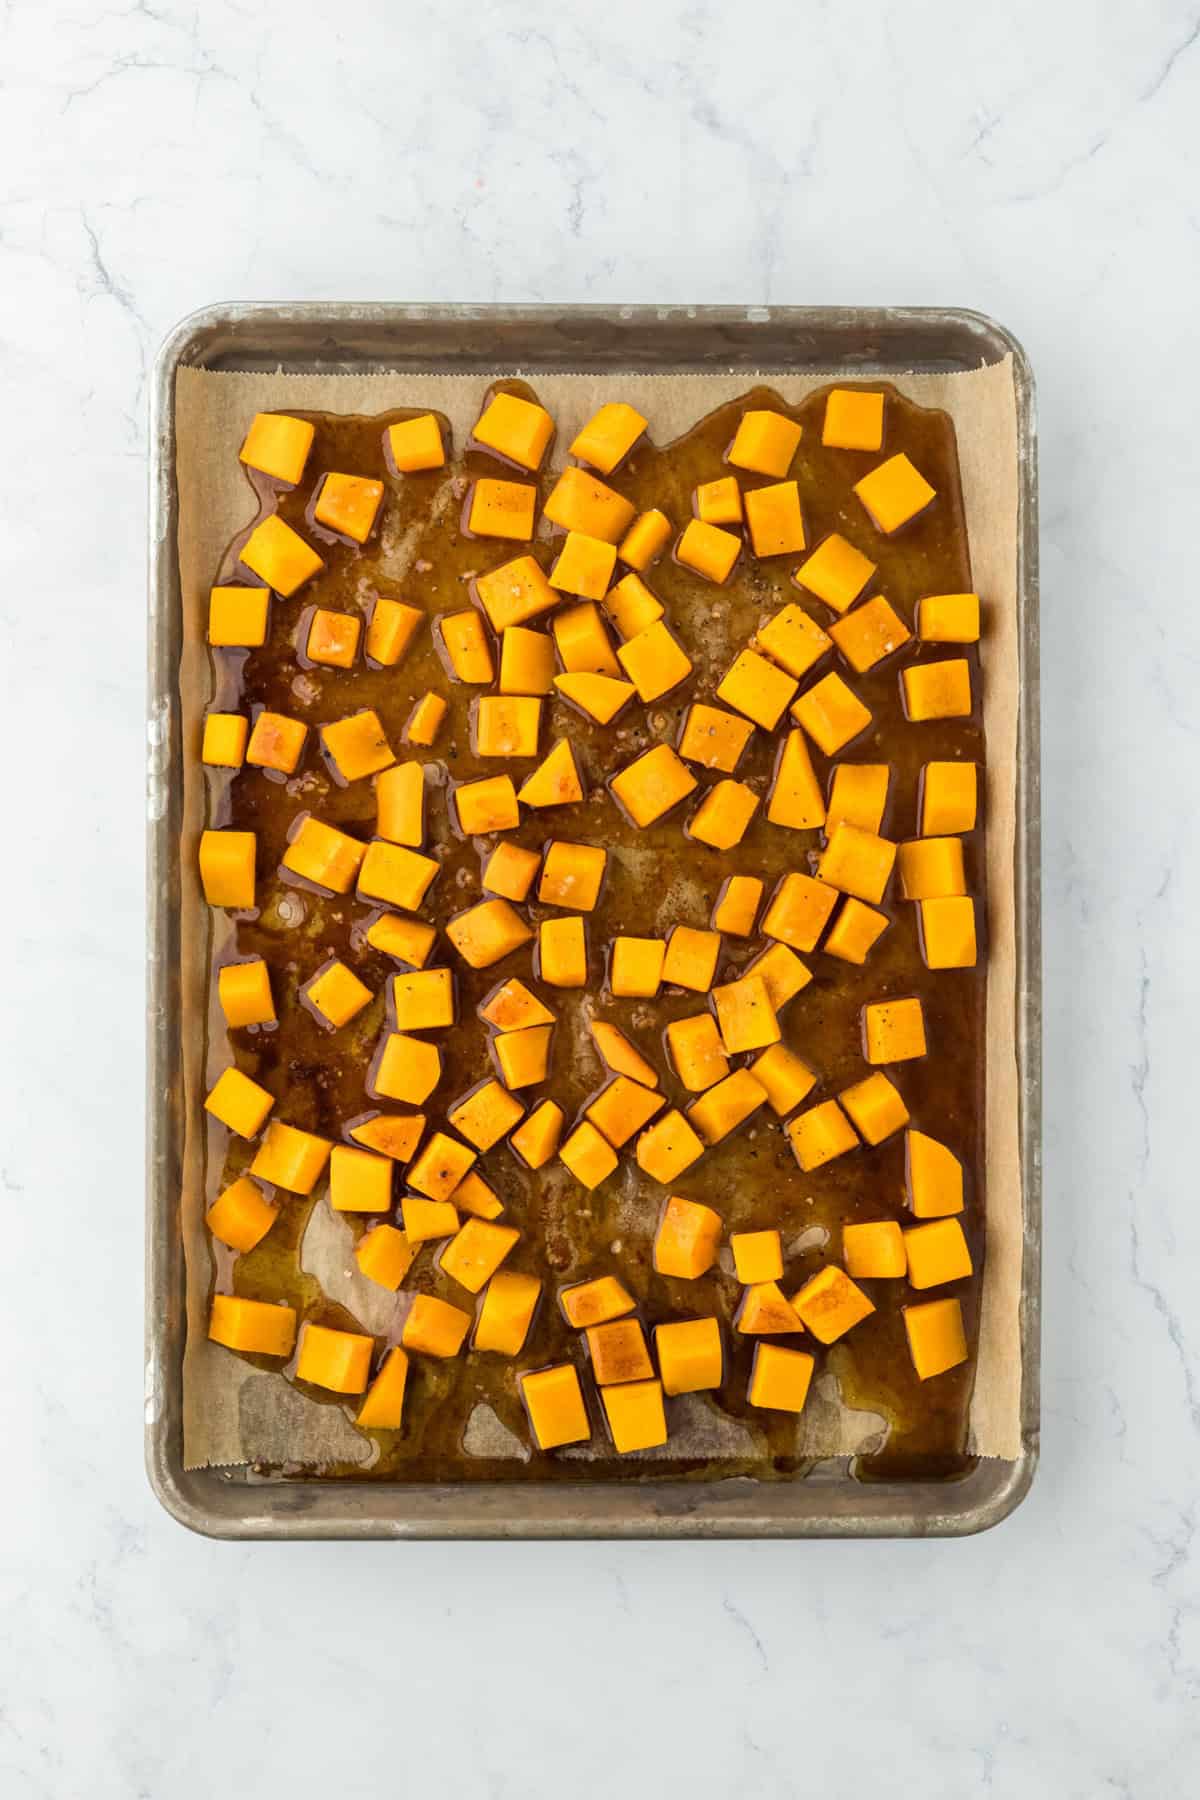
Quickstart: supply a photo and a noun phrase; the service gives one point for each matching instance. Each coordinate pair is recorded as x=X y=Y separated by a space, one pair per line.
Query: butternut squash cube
x=488 y=805
x=857 y=862
x=599 y=696
x=562 y=952
x=348 y=505
x=572 y=875
x=832 y=714
x=893 y=1031
x=724 y=1107
x=255 y=1327
x=475 y=1253
x=622 y=1108
x=244 y=990
x=474 y=1196
x=936 y=1339
x=774 y=518
x=894 y=493
x=745 y=1015
x=227 y=868
x=793 y=640
x=836 y=573
x=948 y=932
x=335 y=994
x=619 y=1352
x=465 y=642
x=937 y=1253
x=874 y=1251
x=593 y=1302
x=668 y=1147
x=646 y=539
x=630 y=605
x=400 y=804
x=555 y=781
x=425 y=720
x=415 y=444
x=690 y=1355
x=608 y=436
x=329 y=858
x=223 y=745
x=820 y=1134
x=696 y=1051
x=713 y=738
x=708 y=550
x=515 y=593
x=390 y=630
x=931 y=868
x=536 y=1139
x=526 y=661
x=858 y=796
x=786 y=1079
x=798 y=911
x=765 y=1311
x=506 y=1313
x=737 y=905
x=779 y=1378
x=949 y=798
x=932 y=1178
x=649 y=786
x=279 y=556
x=588 y=1156
x=276 y=742
x=937 y=690
x=358 y=1181
x=765 y=443
x=487 y=933
x=290 y=1158
x=757 y=1256
x=512 y=1007
x=876 y=1107
x=831 y=1304
x=636 y=1420
x=870 y=633
x=240 y=1217
x=948 y=619
x=437 y=1171
x=853 y=420
x=486 y=1114
x=510 y=871
x=391 y=1134
x=618 y=1054
x=757 y=688
x=723 y=816
x=396 y=875
x=407 y=1069
x=515 y=428
x=357 y=746
x=795 y=799
x=583 y=642
x=278 y=445
x=654 y=661
x=333 y=638
x=854 y=931
x=718 y=502
x=783 y=972
x=584 y=567
x=523 y=1057
x=507 y=725
x=407 y=940
x=383 y=1407
x=691 y=959
x=238 y=1103
x=502 y=509
x=554 y=1402
x=434 y=1327
x=580 y=502
x=635 y=966
x=685 y=1244
x=238 y=616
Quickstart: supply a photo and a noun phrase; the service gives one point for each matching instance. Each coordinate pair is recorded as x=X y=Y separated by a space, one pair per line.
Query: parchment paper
x=234 y=1413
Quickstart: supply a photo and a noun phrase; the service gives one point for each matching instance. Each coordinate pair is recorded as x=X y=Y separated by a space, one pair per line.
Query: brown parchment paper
x=234 y=1413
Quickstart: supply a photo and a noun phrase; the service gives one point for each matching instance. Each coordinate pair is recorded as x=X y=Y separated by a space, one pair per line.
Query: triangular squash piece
x=600 y=696
x=555 y=782
x=766 y=1311
x=620 y=1055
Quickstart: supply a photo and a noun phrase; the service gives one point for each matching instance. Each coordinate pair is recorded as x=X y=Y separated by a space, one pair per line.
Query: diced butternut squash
x=335 y=994
x=876 y=1107
x=831 y=1304
x=337 y=1360
x=555 y=781
x=319 y=853
x=502 y=509
x=737 y=905
x=254 y=1327
x=937 y=1253
x=415 y=444
x=775 y=521
x=723 y=816
x=467 y=650
x=523 y=1057
x=645 y=539
x=893 y=1031
x=622 y=1057
x=631 y=607
x=562 y=952
x=793 y=640
x=278 y=445
x=724 y=1107
x=279 y=556
x=487 y=805
x=832 y=714
x=757 y=688
x=588 y=1156
x=348 y=505
x=384 y=1256
x=510 y=871
x=407 y=940
x=400 y=804
x=437 y=1171
x=507 y=725
x=654 y=661
x=359 y=1181
x=635 y=966
x=765 y=1311
x=383 y=1407
x=238 y=1103
x=391 y=1134
x=396 y=875
x=526 y=661
x=757 y=1256
x=796 y=800
x=948 y=619
x=668 y=1147
x=687 y=1239
x=223 y=745
x=690 y=1355
x=506 y=1313
x=585 y=567
x=713 y=738
x=515 y=428
x=290 y=1158
x=390 y=630
x=580 y=502
x=636 y=1420
x=407 y=1069
x=554 y=1401
x=582 y=641
x=874 y=1251
x=434 y=1327
x=853 y=420
x=858 y=796
x=515 y=593
x=765 y=443
x=425 y=720
x=333 y=638
x=857 y=862
x=512 y=1007
x=227 y=868
x=949 y=798
x=691 y=959
x=894 y=493
x=536 y=1139
x=836 y=573
x=276 y=742
x=652 y=784
x=798 y=911
x=241 y=1217
x=854 y=931
x=780 y=1378
x=475 y=1253
x=870 y=633
x=745 y=1015
x=937 y=690
x=487 y=933
x=719 y=502
x=608 y=436
x=948 y=932
x=696 y=1051
x=786 y=1079
x=619 y=1352
x=244 y=990
x=486 y=1114
x=936 y=1339
x=599 y=696
x=592 y=1302
x=783 y=972
x=708 y=550
x=930 y=868
x=475 y=1197
x=820 y=1134
x=622 y=1108
x=572 y=875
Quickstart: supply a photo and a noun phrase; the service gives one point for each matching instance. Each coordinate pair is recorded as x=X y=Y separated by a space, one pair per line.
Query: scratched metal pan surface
x=363 y=339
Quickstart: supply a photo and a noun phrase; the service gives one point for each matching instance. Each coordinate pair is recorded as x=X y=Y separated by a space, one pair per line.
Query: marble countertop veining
x=1036 y=161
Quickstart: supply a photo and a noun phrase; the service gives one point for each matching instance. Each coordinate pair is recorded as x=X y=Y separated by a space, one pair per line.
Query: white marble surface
x=1034 y=160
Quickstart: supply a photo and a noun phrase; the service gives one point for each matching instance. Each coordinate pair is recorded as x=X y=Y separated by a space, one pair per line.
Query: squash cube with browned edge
x=784 y=973
x=415 y=444
x=936 y=1339
x=636 y=1420
x=440 y=1167
x=278 y=446
x=562 y=952
x=390 y=630
x=555 y=781
x=425 y=720
x=619 y=1352
x=948 y=619
x=697 y=1053
x=406 y=940
x=713 y=738
x=857 y=862
x=426 y=1220
x=335 y=995
x=795 y=800
x=853 y=420
x=502 y=509
x=486 y=1114
x=622 y=1107
x=572 y=875
x=507 y=725
x=875 y=1107
x=506 y=1313
x=821 y=1134
x=526 y=661
x=757 y=1256
x=737 y=905
x=654 y=661
x=937 y=690
x=244 y=990
x=406 y=1069
x=635 y=966
x=510 y=871
x=757 y=688
x=630 y=606
x=487 y=805
x=830 y=1304
x=319 y=853
x=276 y=742
x=279 y=556
x=253 y=1327
x=745 y=1015
x=515 y=592
x=893 y=1031
x=588 y=1156
x=241 y=1217
x=685 y=1244
x=720 y=1110
x=223 y=744
x=337 y=1360
x=932 y=868
x=511 y=1007
x=383 y=1407
x=723 y=816
x=798 y=911
x=593 y=1302
x=708 y=550
x=937 y=1253
x=779 y=1378
x=487 y=933
x=690 y=1355
x=384 y=1255
x=474 y=1196
x=581 y=502
x=765 y=443
x=227 y=868
x=870 y=633
x=793 y=640
x=949 y=798
x=554 y=1402
x=423 y=1000
x=785 y=1077
x=434 y=1327
x=608 y=436
x=536 y=1139
x=775 y=521
x=765 y=1311
x=333 y=638
x=472 y=1257
x=348 y=505
x=858 y=796
x=464 y=641
x=517 y=429
x=854 y=931
x=836 y=573
x=691 y=959
x=718 y=502
x=948 y=932
x=645 y=540
x=290 y=1158
x=619 y=1055
x=390 y=1134
x=652 y=784
x=584 y=567
x=894 y=493
x=359 y=1181
x=832 y=714
x=400 y=804
x=874 y=1250
x=668 y=1147
x=238 y=1103
x=601 y=697
x=523 y=1057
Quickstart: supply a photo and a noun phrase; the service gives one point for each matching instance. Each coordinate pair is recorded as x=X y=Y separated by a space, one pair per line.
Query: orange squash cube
x=223 y=745
x=948 y=932
x=630 y=606
x=588 y=1156
x=690 y=1355
x=608 y=436
x=278 y=445
x=894 y=493
x=686 y=1242
x=580 y=502
x=932 y=868
x=254 y=1327
x=536 y=1139
x=507 y=725
x=510 y=871
x=654 y=661
x=691 y=959
x=357 y=746
x=893 y=1031
x=854 y=931
x=359 y=1181
x=795 y=800
x=835 y=572
x=857 y=862
x=472 y=1256
x=723 y=816
x=415 y=444
x=384 y=1256
x=875 y=1106
x=237 y=617
x=335 y=994
x=486 y=806
x=618 y=1054
x=779 y=1378
x=793 y=640
x=635 y=966
x=774 y=518
x=645 y=539
x=238 y=1103
x=279 y=556
x=737 y=905
x=783 y=972
x=798 y=911
x=832 y=714
x=434 y=1175
x=622 y=1108
x=321 y=854
x=348 y=505
x=503 y=509
x=653 y=783
x=523 y=1057
x=506 y=1313
x=936 y=1339
x=720 y=1110
x=599 y=696
x=757 y=688
x=708 y=550
x=820 y=1134
x=486 y=1114
x=515 y=428
x=874 y=1251
x=425 y=720
x=582 y=641
x=786 y=1079
x=668 y=1147
x=383 y=1407
x=949 y=798
x=464 y=640
x=713 y=738
x=276 y=742
x=337 y=1360
x=244 y=990
x=434 y=1327
x=526 y=661
x=333 y=638
x=512 y=1007
x=696 y=1051
x=554 y=1402
x=290 y=1158
x=562 y=952
x=390 y=630
x=636 y=1420
x=870 y=633
x=240 y=1217
x=619 y=1352
x=937 y=690
x=400 y=805
x=831 y=1304
x=594 y=1302
x=514 y=593
x=584 y=567
x=407 y=1069
x=423 y=1000
x=765 y=443
x=391 y=1134
x=858 y=796
x=407 y=940
x=745 y=1015
x=766 y=1312
x=718 y=502
x=853 y=420
x=572 y=875
x=396 y=875
x=948 y=619
x=937 y=1253
x=474 y=1196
